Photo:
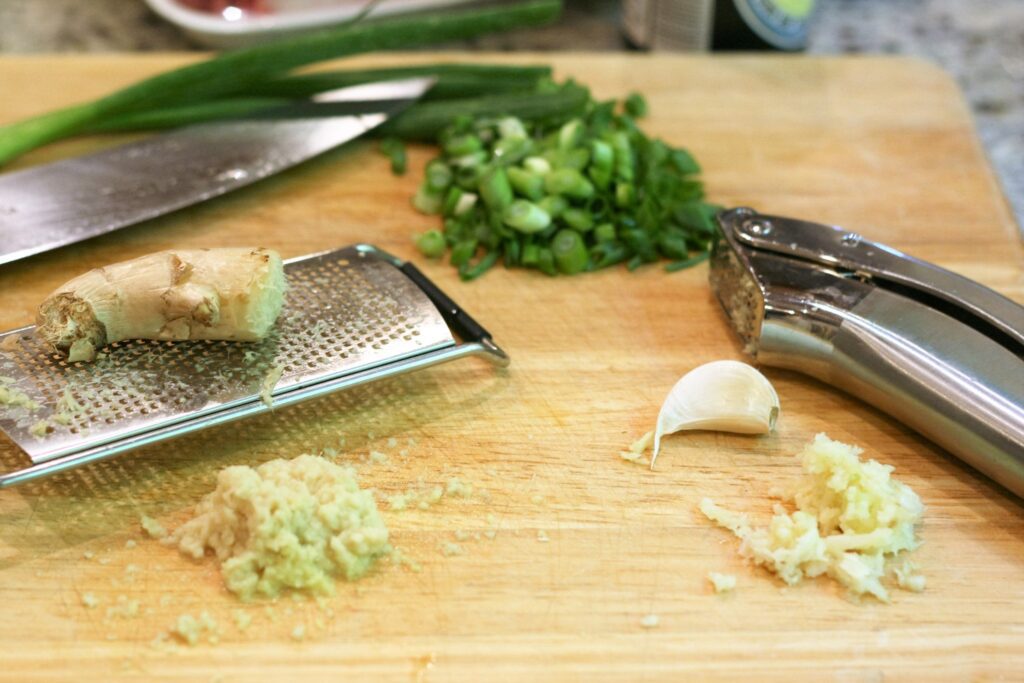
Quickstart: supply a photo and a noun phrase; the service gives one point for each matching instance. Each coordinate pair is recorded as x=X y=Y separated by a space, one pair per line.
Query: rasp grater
x=351 y=316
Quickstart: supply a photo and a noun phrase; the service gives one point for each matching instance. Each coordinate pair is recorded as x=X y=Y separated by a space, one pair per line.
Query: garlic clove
x=723 y=396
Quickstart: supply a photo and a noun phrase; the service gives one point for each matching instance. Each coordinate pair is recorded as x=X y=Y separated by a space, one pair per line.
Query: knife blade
x=57 y=204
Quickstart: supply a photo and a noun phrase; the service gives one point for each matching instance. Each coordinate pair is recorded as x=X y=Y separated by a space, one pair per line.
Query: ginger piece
x=231 y=293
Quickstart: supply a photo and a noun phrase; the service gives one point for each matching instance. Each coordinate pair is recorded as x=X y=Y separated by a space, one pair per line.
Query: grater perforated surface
x=345 y=311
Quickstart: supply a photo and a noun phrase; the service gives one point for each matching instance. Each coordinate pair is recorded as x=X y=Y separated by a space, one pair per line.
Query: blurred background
x=980 y=43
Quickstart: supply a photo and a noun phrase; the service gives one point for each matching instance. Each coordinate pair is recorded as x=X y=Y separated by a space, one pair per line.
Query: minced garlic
x=849 y=516
x=286 y=524
x=722 y=583
x=650 y=621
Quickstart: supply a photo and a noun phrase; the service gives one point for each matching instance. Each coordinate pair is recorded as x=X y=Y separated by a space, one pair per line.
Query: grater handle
x=460 y=321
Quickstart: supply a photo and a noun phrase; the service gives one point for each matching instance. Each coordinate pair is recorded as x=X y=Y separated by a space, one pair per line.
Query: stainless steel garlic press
x=351 y=316
x=940 y=352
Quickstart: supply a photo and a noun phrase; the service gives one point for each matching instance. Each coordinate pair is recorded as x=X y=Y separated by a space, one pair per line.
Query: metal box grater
x=351 y=316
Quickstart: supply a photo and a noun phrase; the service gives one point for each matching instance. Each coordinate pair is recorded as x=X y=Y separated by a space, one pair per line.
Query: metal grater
x=351 y=316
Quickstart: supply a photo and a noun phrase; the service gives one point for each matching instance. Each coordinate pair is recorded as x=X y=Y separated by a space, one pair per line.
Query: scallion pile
x=565 y=195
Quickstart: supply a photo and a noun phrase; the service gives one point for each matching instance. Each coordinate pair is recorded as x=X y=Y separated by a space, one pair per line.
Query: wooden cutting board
x=585 y=545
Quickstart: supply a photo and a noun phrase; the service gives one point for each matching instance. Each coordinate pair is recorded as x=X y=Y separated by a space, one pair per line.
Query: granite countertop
x=980 y=43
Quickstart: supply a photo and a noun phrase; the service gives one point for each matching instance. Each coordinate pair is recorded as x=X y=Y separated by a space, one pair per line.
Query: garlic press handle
x=943 y=378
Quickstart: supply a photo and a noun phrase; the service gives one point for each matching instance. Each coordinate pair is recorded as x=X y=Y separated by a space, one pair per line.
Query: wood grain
x=882 y=146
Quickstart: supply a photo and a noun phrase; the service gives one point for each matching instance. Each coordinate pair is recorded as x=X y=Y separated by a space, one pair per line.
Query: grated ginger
x=850 y=515
x=286 y=524
x=14 y=397
x=190 y=629
x=270 y=381
x=152 y=527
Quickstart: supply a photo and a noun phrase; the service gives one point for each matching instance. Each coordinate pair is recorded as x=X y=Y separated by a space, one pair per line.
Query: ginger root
x=231 y=293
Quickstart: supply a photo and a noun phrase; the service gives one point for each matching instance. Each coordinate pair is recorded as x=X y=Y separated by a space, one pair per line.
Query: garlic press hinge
x=848 y=252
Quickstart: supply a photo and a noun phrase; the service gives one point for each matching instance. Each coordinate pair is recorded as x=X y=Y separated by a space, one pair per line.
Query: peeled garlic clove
x=723 y=396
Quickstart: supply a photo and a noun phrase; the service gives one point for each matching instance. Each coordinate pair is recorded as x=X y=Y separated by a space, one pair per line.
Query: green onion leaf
x=394 y=149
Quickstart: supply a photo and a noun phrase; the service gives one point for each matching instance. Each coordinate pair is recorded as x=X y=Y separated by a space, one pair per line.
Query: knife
x=57 y=204
x=941 y=353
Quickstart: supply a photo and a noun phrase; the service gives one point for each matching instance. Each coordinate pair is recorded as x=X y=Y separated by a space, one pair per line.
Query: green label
x=798 y=9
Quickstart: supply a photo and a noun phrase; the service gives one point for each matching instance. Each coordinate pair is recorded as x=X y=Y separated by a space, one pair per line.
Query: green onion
x=538 y=165
x=465 y=204
x=624 y=158
x=427 y=201
x=531 y=254
x=546 y=261
x=425 y=120
x=431 y=244
x=683 y=162
x=511 y=127
x=463 y=251
x=635 y=105
x=624 y=195
x=602 y=156
x=578 y=219
x=234 y=73
x=511 y=150
x=574 y=158
x=463 y=145
x=422 y=121
x=570 y=135
x=471 y=272
x=529 y=185
x=394 y=149
x=568 y=181
x=569 y=251
x=452 y=80
x=451 y=200
x=687 y=263
x=526 y=217
x=438 y=176
x=604 y=232
x=496 y=190
x=184 y=115
x=467 y=178
x=554 y=205
x=581 y=190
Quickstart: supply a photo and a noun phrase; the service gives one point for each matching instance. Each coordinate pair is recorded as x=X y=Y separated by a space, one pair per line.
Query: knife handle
x=950 y=382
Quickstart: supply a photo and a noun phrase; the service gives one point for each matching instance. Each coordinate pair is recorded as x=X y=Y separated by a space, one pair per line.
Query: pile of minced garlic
x=850 y=517
x=287 y=524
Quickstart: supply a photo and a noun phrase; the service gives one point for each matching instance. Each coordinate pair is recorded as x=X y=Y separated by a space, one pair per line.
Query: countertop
x=980 y=43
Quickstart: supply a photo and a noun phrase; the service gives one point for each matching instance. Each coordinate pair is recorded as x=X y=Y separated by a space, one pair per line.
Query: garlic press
x=941 y=353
